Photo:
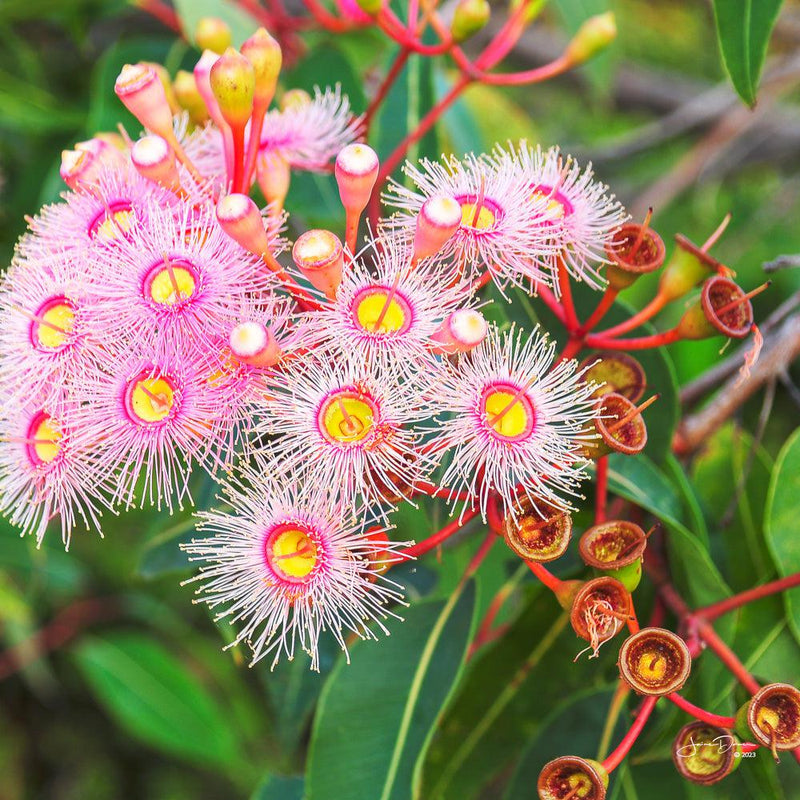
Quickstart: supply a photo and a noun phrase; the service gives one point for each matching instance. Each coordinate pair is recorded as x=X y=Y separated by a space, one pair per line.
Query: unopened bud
x=212 y=33
x=438 y=219
x=295 y=99
x=356 y=172
x=371 y=7
x=188 y=96
x=274 y=176
x=254 y=343
x=239 y=217
x=531 y=11
x=166 y=82
x=264 y=53
x=233 y=83
x=592 y=37
x=461 y=332
x=469 y=17
x=141 y=90
x=202 y=77
x=79 y=168
x=319 y=255
x=155 y=160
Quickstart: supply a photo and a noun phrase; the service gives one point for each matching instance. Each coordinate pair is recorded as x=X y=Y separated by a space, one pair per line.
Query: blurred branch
x=782 y=262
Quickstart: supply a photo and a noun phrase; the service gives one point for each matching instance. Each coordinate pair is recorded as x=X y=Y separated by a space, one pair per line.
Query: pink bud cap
x=319 y=255
x=79 y=168
x=356 y=173
x=438 y=219
x=202 y=78
x=274 y=176
x=462 y=331
x=254 y=343
x=104 y=150
x=154 y=159
x=240 y=218
x=141 y=90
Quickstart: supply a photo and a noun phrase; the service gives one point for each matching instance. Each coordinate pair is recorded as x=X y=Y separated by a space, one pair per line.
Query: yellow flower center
x=377 y=313
x=509 y=412
x=117 y=220
x=652 y=667
x=45 y=437
x=54 y=323
x=479 y=220
x=170 y=283
x=150 y=399
x=292 y=553
x=346 y=417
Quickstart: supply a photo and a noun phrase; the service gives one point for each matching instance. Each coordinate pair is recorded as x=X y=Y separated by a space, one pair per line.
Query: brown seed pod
x=539 y=532
x=615 y=371
x=612 y=545
x=634 y=251
x=717 y=298
x=654 y=661
x=773 y=715
x=704 y=753
x=571 y=777
x=629 y=438
x=600 y=609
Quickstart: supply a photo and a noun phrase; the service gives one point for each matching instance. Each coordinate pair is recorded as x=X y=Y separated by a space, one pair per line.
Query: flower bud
x=141 y=91
x=189 y=98
x=166 y=82
x=155 y=160
x=634 y=251
x=295 y=99
x=379 y=555
x=654 y=661
x=600 y=609
x=319 y=255
x=371 y=7
x=688 y=267
x=356 y=172
x=704 y=753
x=773 y=716
x=239 y=217
x=469 y=17
x=718 y=312
x=628 y=438
x=79 y=168
x=233 y=83
x=212 y=33
x=615 y=547
x=537 y=533
x=530 y=12
x=462 y=331
x=438 y=219
x=202 y=77
x=254 y=343
x=264 y=53
x=592 y=38
x=274 y=176
x=574 y=777
x=614 y=371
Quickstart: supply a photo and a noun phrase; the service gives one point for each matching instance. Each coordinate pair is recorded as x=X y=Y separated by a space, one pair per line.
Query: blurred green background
x=142 y=704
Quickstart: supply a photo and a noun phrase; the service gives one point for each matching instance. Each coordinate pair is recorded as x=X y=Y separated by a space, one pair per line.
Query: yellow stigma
x=293 y=554
x=652 y=667
x=346 y=417
x=507 y=421
x=486 y=217
x=152 y=399
x=767 y=719
x=47 y=437
x=370 y=308
x=57 y=323
x=171 y=286
x=116 y=224
x=555 y=207
x=580 y=783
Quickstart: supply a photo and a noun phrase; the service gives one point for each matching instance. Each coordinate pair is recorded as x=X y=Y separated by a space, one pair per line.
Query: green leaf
x=277 y=788
x=189 y=12
x=157 y=699
x=376 y=715
x=743 y=31
x=162 y=554
x=780 y=522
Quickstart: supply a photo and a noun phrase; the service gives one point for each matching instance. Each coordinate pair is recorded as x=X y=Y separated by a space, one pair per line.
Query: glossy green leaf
x=780 y=522
x=278 y=788
x=377 y=714
x=162 y=554
x=157 y=699
x=743 y=31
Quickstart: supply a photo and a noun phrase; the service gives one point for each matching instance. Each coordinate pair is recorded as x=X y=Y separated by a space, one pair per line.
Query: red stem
x=600 y=342
x=623 y=748
x=639 y=318
x=570 y=316
x=601 y=490
x=743 y=598
x=545 y=576
x=701 y=713
x=603 y=306
x=420 y=548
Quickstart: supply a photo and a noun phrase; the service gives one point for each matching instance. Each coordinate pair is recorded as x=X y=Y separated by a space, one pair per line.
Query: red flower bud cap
x=438 y=219
x=461 y=332
x=705 y=754
x=319 y=255
x=155 y=160
x=356 y=172
x=264 y=53
x=274 y=177
x=239 y=217
x=254 y=344
x=79 y=168
x=654 y=661
x=141 y=90
x=572 y=777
